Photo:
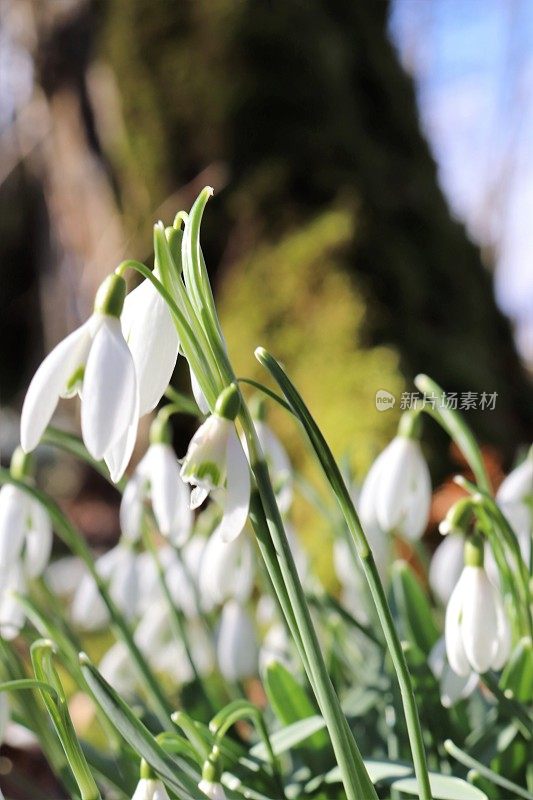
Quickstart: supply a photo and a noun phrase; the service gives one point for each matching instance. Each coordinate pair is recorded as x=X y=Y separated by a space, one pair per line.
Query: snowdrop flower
x=25 y=531
x=237 y=643
x=275 y=647
x=396 y=494
x=476 y=628
x=212 y=790
x=453 y=687
x=150 y=789
x=64 y=575
x=157 y=477
x=226 y=570
x=215 y=460
x=12 y=614
x=517 y=487
x=279 y=465
x=95 y=362
x=446 y=566
x=116 y=667
x=148 y=329
x=118 y=567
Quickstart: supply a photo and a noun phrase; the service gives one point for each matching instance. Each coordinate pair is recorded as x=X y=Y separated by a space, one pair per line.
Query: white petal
x=237 y=644
x=13 y=519
x=370 y=490
x=109 y=390
x=198 y=395
x=124 y=583
x=198 y=495
x=454 y=687
x=226 y=570
x=38 y=540
x=131 y=508
x=279 y=465
x=148 y=789
x=64 y=575
x=152 y=338
x=404 y=495
x=446 y=566
x=165 y=486
x=116 y=667
x=213 y=791
x=237 y=499
x=452 y=630
x=49 y=382
x=88 y=611
x=153 y=628
x=518 y=485
x=479 y=619
x=119 y=455
x=503 y=633
x=12 y=613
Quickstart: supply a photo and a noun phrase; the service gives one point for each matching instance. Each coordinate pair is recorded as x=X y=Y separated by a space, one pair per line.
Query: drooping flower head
x=215 y=461
x=396 y=494
x=477 y=631
x=95 y=362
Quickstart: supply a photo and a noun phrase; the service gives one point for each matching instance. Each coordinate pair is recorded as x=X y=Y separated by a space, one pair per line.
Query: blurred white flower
x=226 y=570
x=152 y=338
x=476 y=629
x=25 y=531
x=279 y=465
x=275 y=647
x=212 y=790
x=236 y=643
x=453 y=687
x=96 y=362
x=150 y=789
x=396 y=494
x=215 y=460
x=446 y=566
x=118 y=567
x=117 y=668
x=517 y=487
x=12 y=615
x=157 y=478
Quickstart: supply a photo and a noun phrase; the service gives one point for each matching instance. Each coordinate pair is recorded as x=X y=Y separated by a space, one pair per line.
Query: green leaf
x=289 y=737
x=290 y=702
x=378 y=771
x=443 y=787
x=413 y=607
x=518 y=674
x=183 y=780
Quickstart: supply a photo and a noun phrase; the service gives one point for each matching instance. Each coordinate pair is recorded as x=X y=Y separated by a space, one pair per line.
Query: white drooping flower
x=477 y=632
x=237 y=653
x=64 y=575
x=215 y=462
x=226 y=570
x=157 y=478
x=517 y=487
x=153 y=341
x=150 y=789
x=12 y=614
x=396 y=494
x=446 y=566
x=212 y=789
x=275 y=648
x=279 y=465
x=95 y=362
x=119 y=568
x=453 y=687
x=117 y=668
x=25 y=532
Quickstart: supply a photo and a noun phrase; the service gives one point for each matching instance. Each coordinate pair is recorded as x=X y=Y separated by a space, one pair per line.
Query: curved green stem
x=360 y=542
x=493 y=777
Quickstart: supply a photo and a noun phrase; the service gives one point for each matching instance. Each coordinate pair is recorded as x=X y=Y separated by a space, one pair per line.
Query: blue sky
x=472 y=61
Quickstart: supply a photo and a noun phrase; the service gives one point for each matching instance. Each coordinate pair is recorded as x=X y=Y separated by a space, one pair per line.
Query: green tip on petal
x=110 y=296
x=228 y=403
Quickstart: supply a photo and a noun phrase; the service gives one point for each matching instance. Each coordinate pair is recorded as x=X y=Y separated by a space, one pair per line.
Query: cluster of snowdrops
x=389 y=690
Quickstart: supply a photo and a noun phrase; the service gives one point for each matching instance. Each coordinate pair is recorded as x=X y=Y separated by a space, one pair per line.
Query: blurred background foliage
x=328 y=238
